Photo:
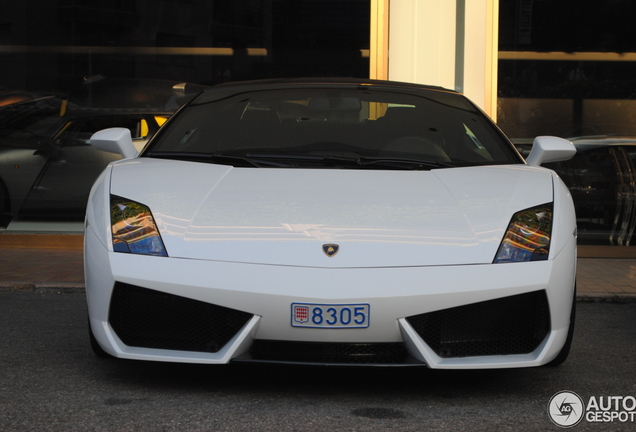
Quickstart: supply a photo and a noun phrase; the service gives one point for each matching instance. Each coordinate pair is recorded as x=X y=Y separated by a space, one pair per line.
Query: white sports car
x=331 y=222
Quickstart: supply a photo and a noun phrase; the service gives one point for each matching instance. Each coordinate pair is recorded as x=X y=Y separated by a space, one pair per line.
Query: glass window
x=567 y=68
x=72 y=67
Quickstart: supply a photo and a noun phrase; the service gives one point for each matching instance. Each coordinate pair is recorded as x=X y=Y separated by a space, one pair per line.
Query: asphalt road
x=51 y=381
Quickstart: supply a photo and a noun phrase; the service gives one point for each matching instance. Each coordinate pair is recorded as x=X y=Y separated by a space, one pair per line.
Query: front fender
x=564 y=222
x=97 y=209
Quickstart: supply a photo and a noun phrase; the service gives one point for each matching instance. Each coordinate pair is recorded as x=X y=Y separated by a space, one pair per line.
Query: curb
x=60 y=288
x=605 y=298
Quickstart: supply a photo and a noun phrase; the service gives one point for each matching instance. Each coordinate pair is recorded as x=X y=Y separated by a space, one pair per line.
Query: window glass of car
x=300 y=127
x=30 y=118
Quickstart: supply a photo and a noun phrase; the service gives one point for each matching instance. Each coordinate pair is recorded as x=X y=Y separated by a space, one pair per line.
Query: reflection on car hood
x=285 y=216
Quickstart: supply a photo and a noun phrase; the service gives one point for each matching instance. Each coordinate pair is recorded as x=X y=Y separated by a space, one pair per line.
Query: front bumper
x=264 y=293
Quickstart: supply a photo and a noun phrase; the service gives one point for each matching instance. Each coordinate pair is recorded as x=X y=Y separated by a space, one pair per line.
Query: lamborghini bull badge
x=330 y=249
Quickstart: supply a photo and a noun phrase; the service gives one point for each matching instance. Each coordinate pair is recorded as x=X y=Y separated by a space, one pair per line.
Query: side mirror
x=550 y=149
x=114 y=140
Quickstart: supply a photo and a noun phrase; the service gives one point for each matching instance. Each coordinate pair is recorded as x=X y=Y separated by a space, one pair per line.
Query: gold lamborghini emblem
x=330 y=249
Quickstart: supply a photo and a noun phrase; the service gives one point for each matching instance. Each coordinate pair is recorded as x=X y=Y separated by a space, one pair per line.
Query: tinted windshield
x=320 y=127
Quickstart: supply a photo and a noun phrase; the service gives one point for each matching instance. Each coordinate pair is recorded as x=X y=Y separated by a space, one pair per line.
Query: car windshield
x=353 y=127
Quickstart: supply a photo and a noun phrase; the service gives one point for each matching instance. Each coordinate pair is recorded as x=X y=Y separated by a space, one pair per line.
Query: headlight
x=134 y=229
x=528 y=236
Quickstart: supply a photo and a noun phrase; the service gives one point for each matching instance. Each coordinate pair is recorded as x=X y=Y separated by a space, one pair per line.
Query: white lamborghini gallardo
x=336 y=221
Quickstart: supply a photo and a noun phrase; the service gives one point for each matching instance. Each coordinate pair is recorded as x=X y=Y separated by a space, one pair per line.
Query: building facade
x=538 y=67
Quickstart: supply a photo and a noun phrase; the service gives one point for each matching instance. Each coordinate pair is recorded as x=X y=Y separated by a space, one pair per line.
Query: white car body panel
x=380 y=218
x=445 y=270
x=393 y=293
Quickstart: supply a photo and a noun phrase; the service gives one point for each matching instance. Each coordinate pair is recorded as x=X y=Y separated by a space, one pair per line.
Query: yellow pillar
x=422 y=41
x=448 y=43
x=379 y=47
x=480 y=53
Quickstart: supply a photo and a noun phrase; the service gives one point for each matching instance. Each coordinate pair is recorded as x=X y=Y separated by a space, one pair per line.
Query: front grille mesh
x=330 y=352
x=151 y=319
x=509 y=325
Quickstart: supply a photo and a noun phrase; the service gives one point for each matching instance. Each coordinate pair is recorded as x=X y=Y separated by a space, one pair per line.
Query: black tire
x=565 y=351
x=99 y=352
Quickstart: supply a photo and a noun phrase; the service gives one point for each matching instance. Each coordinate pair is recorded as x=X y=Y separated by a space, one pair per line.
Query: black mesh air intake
x=151 y=319
x=509 y=325
x=331 y=353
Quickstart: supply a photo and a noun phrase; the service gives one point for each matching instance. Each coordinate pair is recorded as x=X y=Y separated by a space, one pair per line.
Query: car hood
x=377 y=218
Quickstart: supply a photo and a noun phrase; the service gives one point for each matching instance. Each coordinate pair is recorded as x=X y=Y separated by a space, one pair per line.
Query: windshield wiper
x=260 y=160
x=294 y=159
x=357 y=162
x=404 y=163
x=236 y=161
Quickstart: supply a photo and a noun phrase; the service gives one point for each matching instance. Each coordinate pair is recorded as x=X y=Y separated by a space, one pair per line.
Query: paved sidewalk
x=606 y=278
x=62 y=269
x=31 y=268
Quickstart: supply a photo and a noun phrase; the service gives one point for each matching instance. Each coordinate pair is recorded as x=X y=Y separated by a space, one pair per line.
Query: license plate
x=332 y=316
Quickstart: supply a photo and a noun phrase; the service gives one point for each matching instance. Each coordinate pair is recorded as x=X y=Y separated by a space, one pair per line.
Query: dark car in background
x=602 y=180
x=9 y=97
x=47 y=165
